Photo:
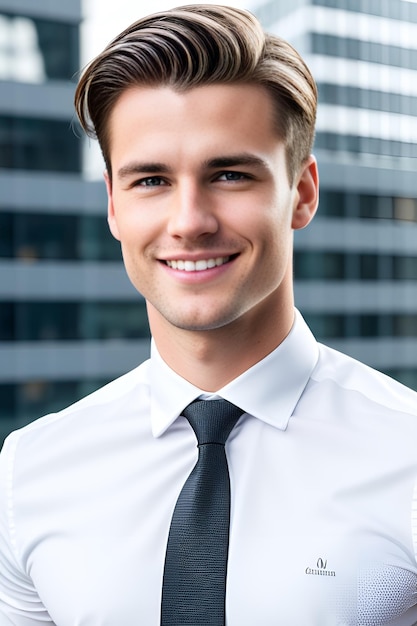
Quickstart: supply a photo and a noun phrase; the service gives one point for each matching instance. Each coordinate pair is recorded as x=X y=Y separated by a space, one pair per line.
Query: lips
x=197 y=266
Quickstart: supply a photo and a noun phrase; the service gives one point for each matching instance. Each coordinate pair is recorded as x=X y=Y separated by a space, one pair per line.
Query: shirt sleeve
x=20 y=604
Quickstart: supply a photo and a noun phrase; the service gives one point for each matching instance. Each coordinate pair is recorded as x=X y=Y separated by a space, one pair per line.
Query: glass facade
x=320 y=265
x=43 y=56
x=360 y=325
x=72 y=321
x=37 y=236
x=390 y=64
x=336 y=142
x=393 y=9
x=353 y=205
x=349 y=96
x=38 y=144
x=325 y=265
x=271 y=11
x=360 y=50
x=35 y=50
x=39 y=51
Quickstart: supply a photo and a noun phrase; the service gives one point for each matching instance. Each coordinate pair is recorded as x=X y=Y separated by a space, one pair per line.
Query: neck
x=211 y=359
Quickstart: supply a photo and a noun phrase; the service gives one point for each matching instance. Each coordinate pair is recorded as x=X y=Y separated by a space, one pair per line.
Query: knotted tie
x=194 y=586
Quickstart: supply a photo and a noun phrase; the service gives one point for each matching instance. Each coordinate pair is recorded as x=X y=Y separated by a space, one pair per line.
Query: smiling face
x=201 y=203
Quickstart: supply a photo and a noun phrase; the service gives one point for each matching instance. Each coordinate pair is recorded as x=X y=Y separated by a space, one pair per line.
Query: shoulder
x=352 y=379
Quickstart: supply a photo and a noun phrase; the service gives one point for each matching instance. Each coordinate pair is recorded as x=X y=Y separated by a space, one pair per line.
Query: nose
x=192 y=213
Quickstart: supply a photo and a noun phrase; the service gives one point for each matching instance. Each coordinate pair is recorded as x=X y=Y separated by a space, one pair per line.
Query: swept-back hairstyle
x=201 y=45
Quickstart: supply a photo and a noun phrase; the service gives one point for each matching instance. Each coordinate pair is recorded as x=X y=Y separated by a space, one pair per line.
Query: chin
x=201 y=323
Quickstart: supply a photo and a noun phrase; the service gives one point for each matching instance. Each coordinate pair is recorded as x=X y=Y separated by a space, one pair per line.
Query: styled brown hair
x=200 y=45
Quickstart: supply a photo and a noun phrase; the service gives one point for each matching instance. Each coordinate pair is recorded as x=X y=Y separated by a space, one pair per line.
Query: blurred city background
x=70 y=320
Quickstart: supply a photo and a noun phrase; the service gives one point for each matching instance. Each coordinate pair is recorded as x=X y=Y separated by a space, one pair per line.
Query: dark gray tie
x=194 y=585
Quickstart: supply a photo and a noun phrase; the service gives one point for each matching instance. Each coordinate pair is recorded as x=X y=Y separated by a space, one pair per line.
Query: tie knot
x=212 y=420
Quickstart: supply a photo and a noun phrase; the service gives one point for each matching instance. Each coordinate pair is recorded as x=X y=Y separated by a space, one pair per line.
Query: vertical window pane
x=36 y=144
x=95 y=240
x=46 y=321
x=6 y=234
x=114 y=320
x=7 y=321
x=319 y=265
x=45 y=236
x=332 y=203
x=368 y=266
x=405 y=209
x=405 y=267
x=34 y=50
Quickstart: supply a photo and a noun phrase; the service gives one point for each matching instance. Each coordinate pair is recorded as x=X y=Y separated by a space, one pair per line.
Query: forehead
x=150 y=118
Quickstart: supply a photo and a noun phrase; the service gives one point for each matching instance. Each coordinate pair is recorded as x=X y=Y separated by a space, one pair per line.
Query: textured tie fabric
x=194 y=585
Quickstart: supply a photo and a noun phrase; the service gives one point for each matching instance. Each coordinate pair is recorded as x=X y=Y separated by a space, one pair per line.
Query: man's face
x=201 y=203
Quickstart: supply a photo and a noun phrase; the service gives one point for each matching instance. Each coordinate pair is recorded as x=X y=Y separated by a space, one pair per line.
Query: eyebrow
x=134 y=168
x=234 y=160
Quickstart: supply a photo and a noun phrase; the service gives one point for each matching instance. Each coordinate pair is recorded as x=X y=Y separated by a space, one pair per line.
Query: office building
x=69 y=319
x=356 y=264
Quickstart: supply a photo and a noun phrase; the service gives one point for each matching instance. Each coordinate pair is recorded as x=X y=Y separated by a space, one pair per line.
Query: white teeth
x=201 y=265
x=189 y=266
x=198 y=266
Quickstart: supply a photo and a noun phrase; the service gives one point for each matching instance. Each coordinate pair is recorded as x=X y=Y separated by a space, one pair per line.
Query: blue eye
x=232 y=176
x=151 y=181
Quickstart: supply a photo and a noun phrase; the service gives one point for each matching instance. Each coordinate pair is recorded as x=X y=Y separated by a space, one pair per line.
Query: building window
x=335 y=142
x=41 y=237
x=346 y=95
x=327 y=326
x=351 y=205
x=333 y=204
x=7 y=321
x=404 y=267
x=95 y=242
x=314 y=265
x=319 y=265
x=6 y=234
x=369 y=266
x=73 y=321
x=393 y=9
x=375 y=207
x=38 y=144
x=362 y=50
x=34 y=236
x=405 y=209
x=34 y=50
x=113 y=320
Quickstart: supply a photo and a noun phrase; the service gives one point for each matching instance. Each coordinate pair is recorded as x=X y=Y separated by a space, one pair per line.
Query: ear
x=307 y=194
x=111 y=218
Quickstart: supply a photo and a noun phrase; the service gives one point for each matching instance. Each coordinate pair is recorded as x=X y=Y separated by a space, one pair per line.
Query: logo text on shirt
x=320 y=569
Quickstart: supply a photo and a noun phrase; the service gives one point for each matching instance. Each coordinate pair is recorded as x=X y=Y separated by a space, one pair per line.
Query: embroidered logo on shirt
x=320 y=569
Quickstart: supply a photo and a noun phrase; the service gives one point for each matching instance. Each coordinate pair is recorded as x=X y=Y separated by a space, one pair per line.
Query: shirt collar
x=269 y=390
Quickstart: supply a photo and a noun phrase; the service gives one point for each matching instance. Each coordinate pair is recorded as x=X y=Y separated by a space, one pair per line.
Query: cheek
x=135 y=231
x=272 y=233
x=275 y=251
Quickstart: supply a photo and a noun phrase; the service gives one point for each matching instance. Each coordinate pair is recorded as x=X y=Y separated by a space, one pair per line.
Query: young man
x=206 y=126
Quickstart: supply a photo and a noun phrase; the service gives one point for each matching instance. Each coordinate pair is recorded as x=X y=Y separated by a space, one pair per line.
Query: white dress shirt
x=323 y=467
